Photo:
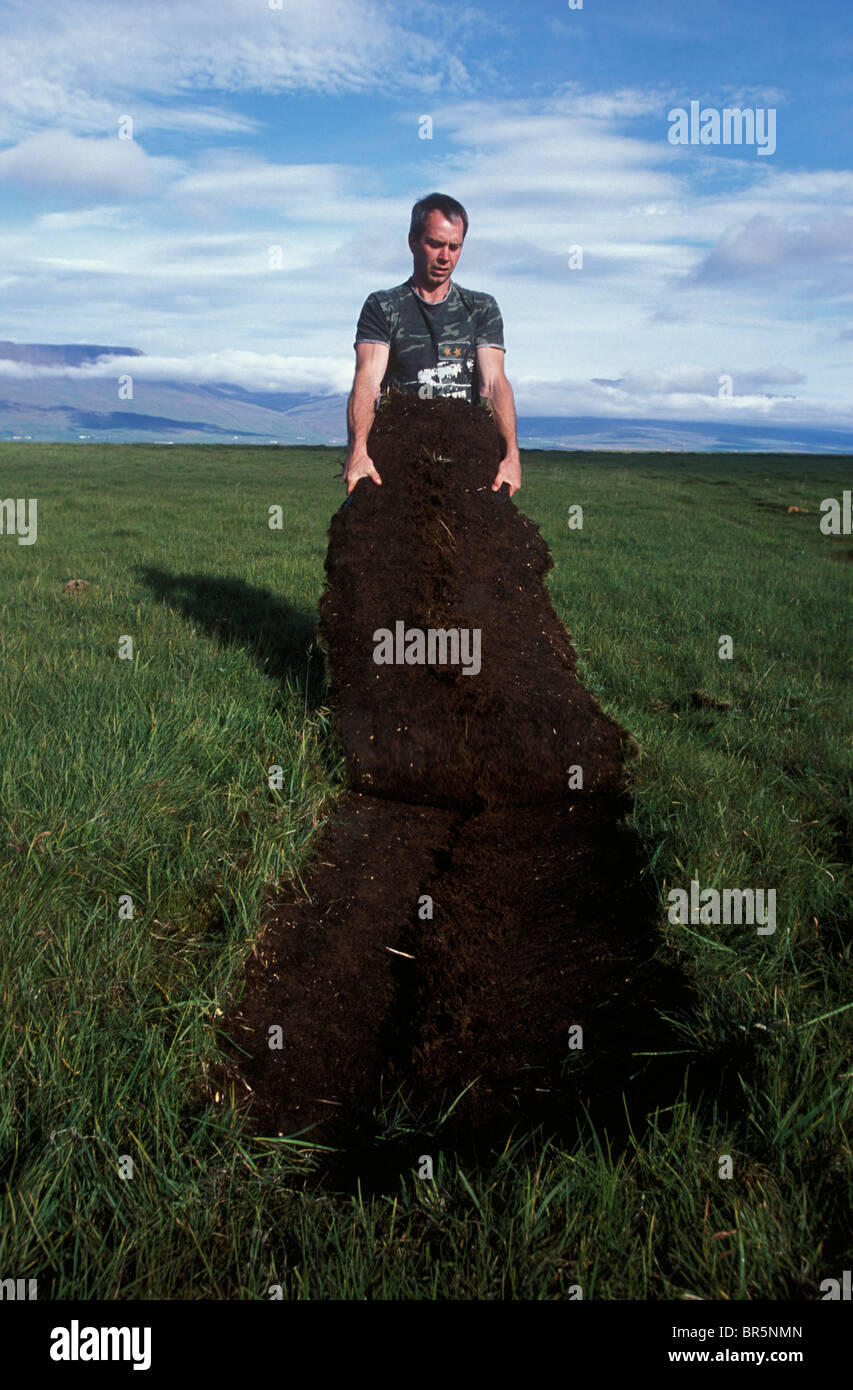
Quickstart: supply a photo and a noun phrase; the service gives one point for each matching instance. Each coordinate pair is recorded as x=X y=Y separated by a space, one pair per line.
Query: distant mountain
x=61 y=408
x=684 y=436
x=64 y=408
x=61 y=354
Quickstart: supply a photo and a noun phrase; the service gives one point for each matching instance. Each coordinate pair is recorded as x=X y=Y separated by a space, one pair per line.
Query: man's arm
x=371 y=359
x=495 y=387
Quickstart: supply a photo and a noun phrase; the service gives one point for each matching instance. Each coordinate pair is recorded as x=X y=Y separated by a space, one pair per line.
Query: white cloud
x=816 y=187
x=63 y=163
x=683 y=257
x=688 y=379
x=105 y=59
x=251 y=370
x=104 y=215
x=625 y=103
x=668 y=396
x=208 y=120
x=686 y=391
x=763 y=249
x=306 y=191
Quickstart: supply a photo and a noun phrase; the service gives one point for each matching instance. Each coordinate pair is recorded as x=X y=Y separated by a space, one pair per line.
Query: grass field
x=143 y=781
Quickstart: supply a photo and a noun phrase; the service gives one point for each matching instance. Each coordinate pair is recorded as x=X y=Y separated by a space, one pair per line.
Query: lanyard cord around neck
x=474 y=388
x=428 y=319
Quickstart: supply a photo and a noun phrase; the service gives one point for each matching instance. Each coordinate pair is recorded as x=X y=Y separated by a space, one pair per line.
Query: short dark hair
x=437 y=202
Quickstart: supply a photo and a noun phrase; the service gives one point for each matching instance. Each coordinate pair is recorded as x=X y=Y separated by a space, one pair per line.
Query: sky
x=636 y=276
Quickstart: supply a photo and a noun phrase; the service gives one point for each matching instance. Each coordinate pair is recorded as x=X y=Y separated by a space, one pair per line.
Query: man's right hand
x=371 y=359
x=359 y=465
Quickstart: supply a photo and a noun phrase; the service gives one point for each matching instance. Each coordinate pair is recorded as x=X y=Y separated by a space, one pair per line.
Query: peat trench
x=463 y=790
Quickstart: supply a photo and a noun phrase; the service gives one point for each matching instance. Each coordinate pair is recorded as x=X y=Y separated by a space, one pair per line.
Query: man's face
x=437 y=249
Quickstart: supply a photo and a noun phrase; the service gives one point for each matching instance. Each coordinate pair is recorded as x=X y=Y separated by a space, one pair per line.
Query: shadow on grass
x=280 y=636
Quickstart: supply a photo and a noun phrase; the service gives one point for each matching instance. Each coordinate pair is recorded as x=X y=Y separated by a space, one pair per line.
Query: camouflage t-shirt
x=433 y=346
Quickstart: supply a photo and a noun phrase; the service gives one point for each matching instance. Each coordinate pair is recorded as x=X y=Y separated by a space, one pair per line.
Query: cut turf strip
x=434 y=548
x=478 y=897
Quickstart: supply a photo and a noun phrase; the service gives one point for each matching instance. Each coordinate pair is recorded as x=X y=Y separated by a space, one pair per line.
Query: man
x=432 y=337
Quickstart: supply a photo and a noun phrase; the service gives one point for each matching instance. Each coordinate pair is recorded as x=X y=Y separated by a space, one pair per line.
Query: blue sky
x=298 y=127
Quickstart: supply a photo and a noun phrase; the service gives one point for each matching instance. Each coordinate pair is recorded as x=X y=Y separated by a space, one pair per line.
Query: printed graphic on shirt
x=453 y=374
x=433 y=347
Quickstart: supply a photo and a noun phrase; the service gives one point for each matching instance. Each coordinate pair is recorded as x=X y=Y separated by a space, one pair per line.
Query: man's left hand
x=509 y=472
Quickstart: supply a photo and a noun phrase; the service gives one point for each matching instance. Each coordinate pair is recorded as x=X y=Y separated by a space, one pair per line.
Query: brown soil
x=434 y=547
x=460 y=791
